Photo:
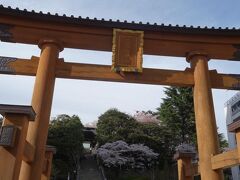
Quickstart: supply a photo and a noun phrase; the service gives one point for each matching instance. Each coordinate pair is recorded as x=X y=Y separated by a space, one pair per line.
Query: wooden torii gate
x=128 y=41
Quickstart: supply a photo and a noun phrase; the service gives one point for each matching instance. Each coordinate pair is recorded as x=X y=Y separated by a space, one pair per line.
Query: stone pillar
x=207 y=137
x=42 y=103
x=16 y=118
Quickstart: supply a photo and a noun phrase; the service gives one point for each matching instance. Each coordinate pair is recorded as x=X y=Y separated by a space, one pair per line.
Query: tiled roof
x=115 y=24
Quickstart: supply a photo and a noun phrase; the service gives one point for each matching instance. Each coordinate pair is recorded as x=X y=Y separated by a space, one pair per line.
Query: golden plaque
x=127 y=50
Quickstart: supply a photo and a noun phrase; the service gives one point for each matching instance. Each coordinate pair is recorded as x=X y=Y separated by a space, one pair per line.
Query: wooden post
x=184 y=164
x=184 y=156
x=234 y=127
x=11 y=157
x=205 y=118
x=46 y=174
x=41 y=102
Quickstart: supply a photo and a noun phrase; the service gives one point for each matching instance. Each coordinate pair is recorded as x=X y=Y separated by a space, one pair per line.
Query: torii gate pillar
x=41 y=102
x=207 y=137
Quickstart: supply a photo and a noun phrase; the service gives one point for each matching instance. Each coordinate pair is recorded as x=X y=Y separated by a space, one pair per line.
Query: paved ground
x=89 y=169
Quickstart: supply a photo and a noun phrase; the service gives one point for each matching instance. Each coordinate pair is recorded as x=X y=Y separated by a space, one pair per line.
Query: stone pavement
x=89 y=169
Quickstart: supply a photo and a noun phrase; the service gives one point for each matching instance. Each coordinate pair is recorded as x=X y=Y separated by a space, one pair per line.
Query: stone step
x=89 y=169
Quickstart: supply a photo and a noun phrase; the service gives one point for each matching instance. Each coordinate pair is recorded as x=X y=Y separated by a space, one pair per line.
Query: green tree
x=114 y=125
x=222 y=141
x=155 y=137
x=65 y=133
x=176 y=115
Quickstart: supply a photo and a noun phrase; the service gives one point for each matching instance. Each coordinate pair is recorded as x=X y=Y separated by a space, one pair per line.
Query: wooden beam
x=234 y=127
x=104 y=73
x=225 y=81
x=225 y=160
x=29 y=28
x=17 y=66
x=28 y=152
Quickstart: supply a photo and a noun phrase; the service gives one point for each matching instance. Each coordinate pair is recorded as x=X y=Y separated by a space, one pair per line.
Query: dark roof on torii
x=116 y=24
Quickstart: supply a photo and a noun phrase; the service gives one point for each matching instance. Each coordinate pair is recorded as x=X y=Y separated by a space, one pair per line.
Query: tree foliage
x=114 y=125
x=153 y=136
x=65 y=133
x=222 y=141
x=175 y=125
x=151 y=133
x=176 y=114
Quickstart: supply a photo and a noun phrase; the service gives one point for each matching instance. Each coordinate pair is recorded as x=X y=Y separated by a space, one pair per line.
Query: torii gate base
x=19 y=152
x=12 y=155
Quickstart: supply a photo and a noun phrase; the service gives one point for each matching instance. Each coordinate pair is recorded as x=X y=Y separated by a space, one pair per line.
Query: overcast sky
x=89 y=99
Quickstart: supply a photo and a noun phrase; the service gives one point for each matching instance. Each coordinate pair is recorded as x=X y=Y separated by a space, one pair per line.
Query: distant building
x=232 y=113
x=92 y=124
